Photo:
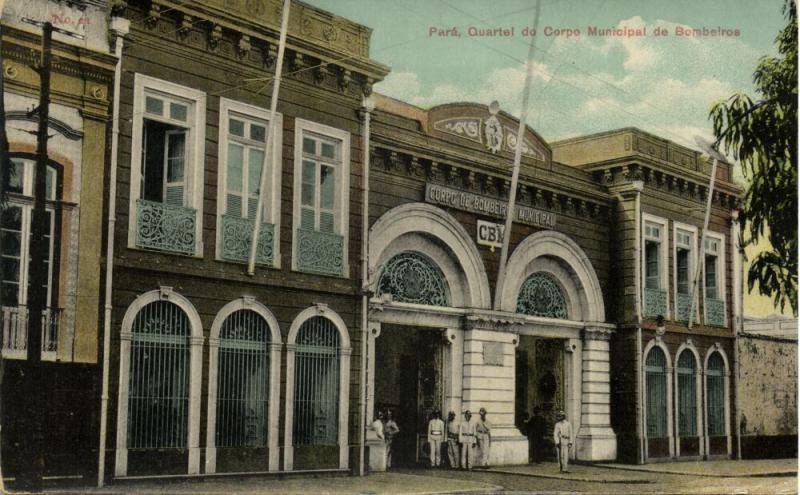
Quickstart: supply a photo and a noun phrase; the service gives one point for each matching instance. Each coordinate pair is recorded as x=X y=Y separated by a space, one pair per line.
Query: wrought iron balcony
x=15 y=332
x=319 y=252
x=682 y=307
x=237 y=233
x=715 y=312
x=655 y=303
x=165 y=227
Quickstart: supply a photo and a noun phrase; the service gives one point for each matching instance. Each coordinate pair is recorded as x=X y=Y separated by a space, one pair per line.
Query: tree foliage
x=762 y=135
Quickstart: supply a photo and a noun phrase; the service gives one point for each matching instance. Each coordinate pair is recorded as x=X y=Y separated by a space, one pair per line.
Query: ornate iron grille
x=414 y=278
x=320 y=252
x=316 y=385
x=687 y=395
x=237 y=234
x=165 y=227
x=540 y=295
x=158 y=400
x=715 y=388
x=243 y=381
x=656 y=384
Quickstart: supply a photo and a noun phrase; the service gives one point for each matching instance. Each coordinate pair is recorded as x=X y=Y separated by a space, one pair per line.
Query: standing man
x=483 y=434
x=452 y=440
x=562 y=436
x=390 y=430
x=435 y=437
x=466 y=437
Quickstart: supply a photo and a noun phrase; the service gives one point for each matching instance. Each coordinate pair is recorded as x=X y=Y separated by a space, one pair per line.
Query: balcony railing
x=15 y=332
x=165 y=227
x=655 y=303
x=320 y=252
x=237 y=233
x=715 y=312
x=682 y=307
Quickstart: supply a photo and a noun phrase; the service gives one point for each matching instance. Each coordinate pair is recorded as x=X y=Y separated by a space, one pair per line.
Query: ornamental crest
x=493 y=129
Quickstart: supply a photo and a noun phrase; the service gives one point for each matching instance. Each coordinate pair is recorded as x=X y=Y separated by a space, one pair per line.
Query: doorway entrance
x=409 y=363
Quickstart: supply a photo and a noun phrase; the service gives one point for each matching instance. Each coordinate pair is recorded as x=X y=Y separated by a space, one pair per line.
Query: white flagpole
x=251 y=262
x=512 y=197
x=708 y=148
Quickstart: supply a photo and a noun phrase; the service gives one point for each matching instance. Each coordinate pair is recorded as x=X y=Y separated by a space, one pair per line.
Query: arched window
x=316 y=385
x=540 y=295
x=158 y=397
x=687 y=395
x=243 y=381
x=656 y=385
x=412 y=277
x=715 y=390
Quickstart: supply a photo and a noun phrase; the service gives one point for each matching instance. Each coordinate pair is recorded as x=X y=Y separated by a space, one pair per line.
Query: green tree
x=762 y=135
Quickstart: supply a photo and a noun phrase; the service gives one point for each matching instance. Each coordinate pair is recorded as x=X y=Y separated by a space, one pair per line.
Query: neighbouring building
x=81 y=82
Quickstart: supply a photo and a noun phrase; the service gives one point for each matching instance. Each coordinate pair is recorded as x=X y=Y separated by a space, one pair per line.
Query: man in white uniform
x=466 y=438
x=562 y=437
x=435 y=438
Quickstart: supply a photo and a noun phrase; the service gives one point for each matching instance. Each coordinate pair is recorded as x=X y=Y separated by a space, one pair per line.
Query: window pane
x=12 y=219
x=176 y=152
x=309 y=171
x=10 y=293
x=328 y=150
x=154 y=105
x=10 y=270
x=255 y=162
x=683 y=271
x=309 y=146
x=711 y=277
x=51 y=183
x=11 y=242
x=258 y=132
x=178 y=111
x=236 y=127
x=327 y=180
x=651 y=265
x=17 y=177
x=235 y=157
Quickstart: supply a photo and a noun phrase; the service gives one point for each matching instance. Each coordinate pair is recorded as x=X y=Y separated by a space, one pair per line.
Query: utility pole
x=37 y=296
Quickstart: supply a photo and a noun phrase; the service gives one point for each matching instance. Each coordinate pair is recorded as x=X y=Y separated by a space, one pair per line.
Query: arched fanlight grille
x=412 y=277
x=540 y=295
x=158 y=393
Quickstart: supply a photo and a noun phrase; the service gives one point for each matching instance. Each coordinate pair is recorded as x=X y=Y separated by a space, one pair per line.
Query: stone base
x=509 y=447
x=596 y=444
x=377 y=455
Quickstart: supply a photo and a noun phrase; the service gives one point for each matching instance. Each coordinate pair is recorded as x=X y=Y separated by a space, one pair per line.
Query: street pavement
x=715 y=477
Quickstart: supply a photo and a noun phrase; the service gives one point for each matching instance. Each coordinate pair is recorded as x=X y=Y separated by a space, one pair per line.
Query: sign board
x=490 y=234
x=484 y=205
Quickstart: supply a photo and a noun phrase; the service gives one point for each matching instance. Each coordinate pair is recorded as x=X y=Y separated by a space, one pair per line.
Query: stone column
x=488 y=382
x=596 y=440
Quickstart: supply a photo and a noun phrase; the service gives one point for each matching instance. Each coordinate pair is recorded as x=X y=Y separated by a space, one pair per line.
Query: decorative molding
x=52 y=123
x=464 y=127
x=214 y=37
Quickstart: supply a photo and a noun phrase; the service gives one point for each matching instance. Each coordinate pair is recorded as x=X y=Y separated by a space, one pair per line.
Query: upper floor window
x=321 y=188
x=166 y=166
x=685 y=262
x=16 y=229
x=654 y=263
x=242 y=153
x=713 y=276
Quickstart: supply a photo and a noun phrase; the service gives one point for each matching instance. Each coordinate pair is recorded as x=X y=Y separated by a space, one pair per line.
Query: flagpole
x=512 y=197
x=251 y=262
x=708 y=148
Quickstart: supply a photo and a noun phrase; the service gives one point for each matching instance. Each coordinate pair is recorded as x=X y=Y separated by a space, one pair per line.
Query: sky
x=582 y=83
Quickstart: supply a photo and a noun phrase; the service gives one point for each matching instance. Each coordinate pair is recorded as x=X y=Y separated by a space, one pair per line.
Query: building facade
x=376 y=263
x=81 y=81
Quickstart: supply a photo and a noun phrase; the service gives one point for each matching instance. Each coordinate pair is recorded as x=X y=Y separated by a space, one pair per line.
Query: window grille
x=656 y=384
x=687 y=395
x=316 y=386
x=540 y=295
x=715 y=388
x=243 y=381
x=414 y=278
x=158 y=400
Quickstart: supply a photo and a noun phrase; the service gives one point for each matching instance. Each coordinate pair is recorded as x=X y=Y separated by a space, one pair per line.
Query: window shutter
x=326 y=222
x=175 y=167
x=234 y=205
x=307 y=218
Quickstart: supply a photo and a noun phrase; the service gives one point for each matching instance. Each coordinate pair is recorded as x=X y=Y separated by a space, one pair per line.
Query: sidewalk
x=577 y=472
x=717 y=469
x=383 y=483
